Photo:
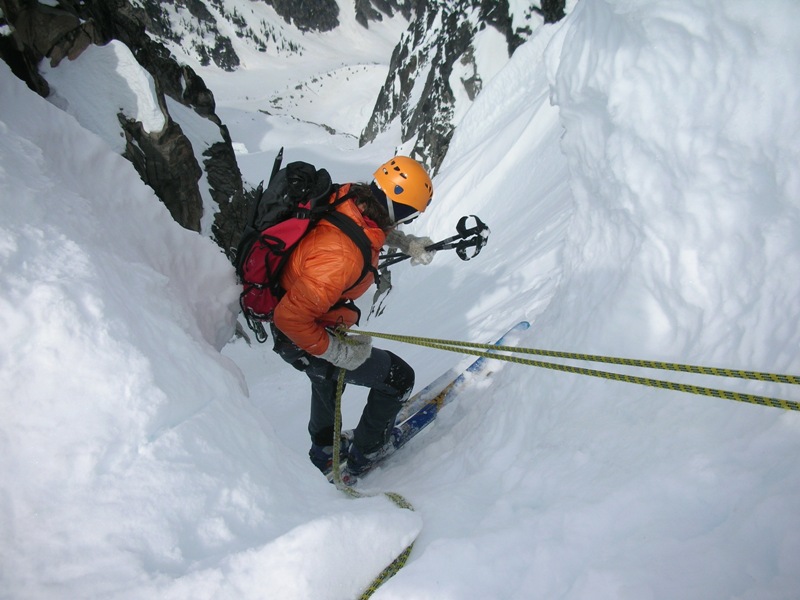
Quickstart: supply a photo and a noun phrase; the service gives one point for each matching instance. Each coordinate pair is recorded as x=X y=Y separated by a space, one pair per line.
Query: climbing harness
x=399 y=562
x=478 y=350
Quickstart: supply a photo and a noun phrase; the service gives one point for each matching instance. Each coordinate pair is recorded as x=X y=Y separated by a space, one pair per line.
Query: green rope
x=471 y=349
x=754 y=375
x=476 y=349
x=399 y=562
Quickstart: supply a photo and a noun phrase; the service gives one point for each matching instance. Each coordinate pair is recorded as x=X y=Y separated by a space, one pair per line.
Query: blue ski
x=423 y=407
x=439 y=389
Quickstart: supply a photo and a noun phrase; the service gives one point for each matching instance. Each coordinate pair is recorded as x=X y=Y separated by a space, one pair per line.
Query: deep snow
x=638 y=166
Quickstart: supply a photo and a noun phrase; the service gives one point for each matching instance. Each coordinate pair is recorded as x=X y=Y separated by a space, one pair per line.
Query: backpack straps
x=351 y=229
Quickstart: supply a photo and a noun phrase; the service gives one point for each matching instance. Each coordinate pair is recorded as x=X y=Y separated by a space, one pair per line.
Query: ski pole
x=276 y=166
x=467 y=237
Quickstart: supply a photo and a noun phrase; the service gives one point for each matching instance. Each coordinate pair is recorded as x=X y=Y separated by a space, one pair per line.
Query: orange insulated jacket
x=325 y=263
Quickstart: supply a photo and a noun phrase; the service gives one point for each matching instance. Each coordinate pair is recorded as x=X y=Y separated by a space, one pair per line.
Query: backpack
x=295 y=200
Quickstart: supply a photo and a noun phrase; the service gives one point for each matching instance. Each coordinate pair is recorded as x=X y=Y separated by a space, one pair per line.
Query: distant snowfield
x=315 y=103
x=638 y=166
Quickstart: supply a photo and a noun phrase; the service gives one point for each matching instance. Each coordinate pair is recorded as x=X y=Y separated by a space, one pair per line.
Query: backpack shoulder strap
x=355 y=233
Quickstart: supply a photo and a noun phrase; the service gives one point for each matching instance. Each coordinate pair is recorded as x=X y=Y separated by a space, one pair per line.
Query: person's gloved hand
x=348 y=353
x=412 y=245
x=416 y=250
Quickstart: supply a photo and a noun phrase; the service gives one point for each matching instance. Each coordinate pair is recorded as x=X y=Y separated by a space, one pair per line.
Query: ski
x=440 y=387
x=424 y=406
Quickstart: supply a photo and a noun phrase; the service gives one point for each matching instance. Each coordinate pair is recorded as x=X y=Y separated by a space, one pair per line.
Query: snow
x=131 y=91
x=264 y=78
x=491 y=52
x=482 y=60
x=637 y=164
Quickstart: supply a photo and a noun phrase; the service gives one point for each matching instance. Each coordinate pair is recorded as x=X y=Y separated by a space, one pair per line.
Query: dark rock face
x=38 y=31
x=373 y=10
x=308 y=15
x=438 y=41
x=202 y=24
x=225 y=185
x=165 y=160
x=552 y=10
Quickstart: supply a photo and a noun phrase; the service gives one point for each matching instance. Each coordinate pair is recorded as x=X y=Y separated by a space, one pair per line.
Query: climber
x=322 y=278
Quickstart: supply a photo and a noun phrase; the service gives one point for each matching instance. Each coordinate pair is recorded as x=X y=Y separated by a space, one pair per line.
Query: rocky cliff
x=449 y=51
x=166 y=159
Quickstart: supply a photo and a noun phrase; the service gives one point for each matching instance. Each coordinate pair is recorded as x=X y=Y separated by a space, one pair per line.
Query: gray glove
x=412 y=245
x=349 y=353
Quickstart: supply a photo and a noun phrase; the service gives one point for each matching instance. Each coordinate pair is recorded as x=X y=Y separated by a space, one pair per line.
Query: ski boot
x=360 y=463
x=322 y=456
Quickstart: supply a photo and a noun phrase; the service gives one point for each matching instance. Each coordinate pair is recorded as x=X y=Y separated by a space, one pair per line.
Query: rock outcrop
x=309 y=15
x=438 y=52
x=166 y=160
x=374 y=10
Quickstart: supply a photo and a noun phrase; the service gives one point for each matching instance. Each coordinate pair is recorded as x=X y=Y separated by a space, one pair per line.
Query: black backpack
x=295 y=200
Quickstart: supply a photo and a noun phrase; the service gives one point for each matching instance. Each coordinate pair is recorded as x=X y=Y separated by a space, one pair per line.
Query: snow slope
x=637 y=164
x=130 y=453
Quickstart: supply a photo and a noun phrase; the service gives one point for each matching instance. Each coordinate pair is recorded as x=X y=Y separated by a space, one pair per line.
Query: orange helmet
x=407 y=187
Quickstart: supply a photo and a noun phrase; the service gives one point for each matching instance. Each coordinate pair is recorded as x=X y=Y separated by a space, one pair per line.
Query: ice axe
x=474 y=236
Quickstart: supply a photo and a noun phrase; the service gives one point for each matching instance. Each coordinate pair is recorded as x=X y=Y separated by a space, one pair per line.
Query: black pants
x=388 y=376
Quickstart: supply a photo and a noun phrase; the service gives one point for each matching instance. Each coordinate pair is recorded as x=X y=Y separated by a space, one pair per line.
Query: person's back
x=324 y=271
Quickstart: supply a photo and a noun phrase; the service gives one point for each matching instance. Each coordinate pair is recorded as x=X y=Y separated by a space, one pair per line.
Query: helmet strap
x=407 y=219
x=382 y=199
x=398 y=212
